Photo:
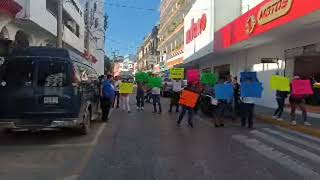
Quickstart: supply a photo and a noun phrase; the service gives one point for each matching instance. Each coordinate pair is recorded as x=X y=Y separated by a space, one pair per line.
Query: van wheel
x=85 y=126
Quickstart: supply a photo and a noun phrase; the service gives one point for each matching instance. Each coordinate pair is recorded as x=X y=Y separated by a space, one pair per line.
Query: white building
x=266 y=36
x=95 y=20
x=127 y=67
x=35 y=24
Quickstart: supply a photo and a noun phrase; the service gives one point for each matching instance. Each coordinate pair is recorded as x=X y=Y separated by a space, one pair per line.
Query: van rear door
x=17 y=77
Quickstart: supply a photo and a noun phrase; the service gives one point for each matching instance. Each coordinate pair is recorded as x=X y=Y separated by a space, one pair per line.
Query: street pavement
x=147 y=146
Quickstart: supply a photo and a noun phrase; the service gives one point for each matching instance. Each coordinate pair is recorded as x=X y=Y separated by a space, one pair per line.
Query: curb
x=285 y=124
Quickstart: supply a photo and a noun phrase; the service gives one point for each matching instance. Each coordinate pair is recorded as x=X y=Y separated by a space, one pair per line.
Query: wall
x=243 y=59
x=225 y=12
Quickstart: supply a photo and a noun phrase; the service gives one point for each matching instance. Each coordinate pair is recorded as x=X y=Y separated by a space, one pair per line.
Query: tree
x=107 y=65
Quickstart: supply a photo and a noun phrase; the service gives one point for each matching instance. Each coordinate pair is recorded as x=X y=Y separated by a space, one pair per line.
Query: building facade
x=148 y=54
x=95 y=27
x=34 y=23
x=171 y=31
x=268 y=37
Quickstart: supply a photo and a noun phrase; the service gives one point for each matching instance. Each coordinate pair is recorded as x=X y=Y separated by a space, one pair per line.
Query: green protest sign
x=209 y=79
x=142 y=77
x=155 y=82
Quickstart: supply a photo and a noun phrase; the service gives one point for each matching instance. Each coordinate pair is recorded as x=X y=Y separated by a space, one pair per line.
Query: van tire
x=85 y=126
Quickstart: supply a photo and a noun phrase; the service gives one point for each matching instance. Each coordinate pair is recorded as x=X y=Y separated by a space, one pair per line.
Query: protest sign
x=301 y=87
x=188 y=98
x=279 y=83
x=253 y=89
x=224 y=91
x=193 y=75
x=209 y=79
x=142 y=77
x=248 y=75
x=155 y=82
x=177 y=73
x=126 y=88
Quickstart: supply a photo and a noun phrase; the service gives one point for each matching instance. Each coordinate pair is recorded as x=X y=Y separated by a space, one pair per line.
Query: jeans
x=279 y=111
x=247 y=114
x=116 y=99
x=183 y=113
x=140 y=100
x=156 y=100
x=106 y=104
x=174 y=101
x=301 y=105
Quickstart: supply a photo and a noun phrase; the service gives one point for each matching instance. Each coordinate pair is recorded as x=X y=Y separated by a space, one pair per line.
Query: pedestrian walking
x=175 y=95
x=281 y=97
x=140 y=96
x=247 y=109
x=156 y=99
x=117 y=93
x=295 y=102
x=236 y=96
x=107 y=94
x=125 y=99
x=186 y=109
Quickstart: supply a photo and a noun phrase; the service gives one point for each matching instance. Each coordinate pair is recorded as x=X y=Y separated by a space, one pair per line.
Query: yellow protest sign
x=280 y=83
x=126 y=88
x=177 y=73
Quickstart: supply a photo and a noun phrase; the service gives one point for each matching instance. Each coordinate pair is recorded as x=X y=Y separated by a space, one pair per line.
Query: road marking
x=282 y=159
x=300 y=134
x=297 y=150
x=100 y=131
x=294 y=139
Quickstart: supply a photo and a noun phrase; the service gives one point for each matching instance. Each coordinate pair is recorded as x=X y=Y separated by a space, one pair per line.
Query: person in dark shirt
x=140 y=96
x=281 y=97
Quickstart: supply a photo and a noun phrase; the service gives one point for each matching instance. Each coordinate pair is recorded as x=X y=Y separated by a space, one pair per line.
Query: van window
x=52 y=74
x=84 y=73
x=17 y=72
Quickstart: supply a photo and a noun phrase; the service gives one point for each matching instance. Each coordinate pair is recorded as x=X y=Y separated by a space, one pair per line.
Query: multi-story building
x=148 y=54
x=95 y=23
x=34 y=23
x=171 y=31
x=127 y=66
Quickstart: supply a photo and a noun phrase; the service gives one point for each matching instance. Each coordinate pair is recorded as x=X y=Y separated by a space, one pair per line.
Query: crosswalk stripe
x=294 y=139
x=297 y=150
x=300 y=134
x=284 y=160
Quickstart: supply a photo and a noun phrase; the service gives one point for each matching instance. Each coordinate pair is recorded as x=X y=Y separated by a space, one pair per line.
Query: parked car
x=47 y=88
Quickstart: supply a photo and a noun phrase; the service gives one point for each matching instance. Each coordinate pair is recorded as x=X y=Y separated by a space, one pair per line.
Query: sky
x=129 y=22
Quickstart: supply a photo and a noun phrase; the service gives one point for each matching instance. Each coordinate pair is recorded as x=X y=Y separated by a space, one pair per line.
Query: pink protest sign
x=193 y=75
x=301 y=87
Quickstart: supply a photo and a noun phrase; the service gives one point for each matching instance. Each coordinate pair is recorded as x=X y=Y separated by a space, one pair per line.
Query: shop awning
x=10 y=7
x=170 y=64
x=263 y=22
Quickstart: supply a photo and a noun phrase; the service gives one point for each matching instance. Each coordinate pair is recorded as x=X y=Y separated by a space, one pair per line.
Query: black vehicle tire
x=85 y=126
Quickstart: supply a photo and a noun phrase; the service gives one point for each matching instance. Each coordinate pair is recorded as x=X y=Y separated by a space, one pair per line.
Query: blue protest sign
x=248 y=75
x=253 y=89
x=224 y=91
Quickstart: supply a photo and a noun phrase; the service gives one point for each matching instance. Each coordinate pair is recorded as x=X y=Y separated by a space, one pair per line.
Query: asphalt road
x=147 y=146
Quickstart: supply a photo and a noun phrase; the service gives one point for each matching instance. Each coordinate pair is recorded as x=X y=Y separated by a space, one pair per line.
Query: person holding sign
x=297 y=99
x=126 y=89
x=188 y=102
x=140 y=96
x=175 y=95
x=281 y=97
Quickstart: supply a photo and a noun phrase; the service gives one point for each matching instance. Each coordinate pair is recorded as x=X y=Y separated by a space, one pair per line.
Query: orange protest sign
x=188 y=98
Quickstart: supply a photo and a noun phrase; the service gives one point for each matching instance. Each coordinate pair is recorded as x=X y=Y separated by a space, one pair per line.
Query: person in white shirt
x=116 y=89
x=156 y=99
x=175 y=95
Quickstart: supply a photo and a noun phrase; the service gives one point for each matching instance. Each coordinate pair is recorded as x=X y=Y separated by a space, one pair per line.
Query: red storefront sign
x=268 y=15
x=196 y=28
x=10 y=7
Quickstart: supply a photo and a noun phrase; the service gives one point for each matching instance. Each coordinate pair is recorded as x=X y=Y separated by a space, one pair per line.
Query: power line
x=131 y=7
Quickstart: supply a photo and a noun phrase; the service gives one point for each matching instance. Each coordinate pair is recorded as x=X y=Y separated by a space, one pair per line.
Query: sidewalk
x=265 y=114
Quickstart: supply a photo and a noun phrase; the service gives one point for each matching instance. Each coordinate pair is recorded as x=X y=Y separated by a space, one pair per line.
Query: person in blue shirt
x=107 y=94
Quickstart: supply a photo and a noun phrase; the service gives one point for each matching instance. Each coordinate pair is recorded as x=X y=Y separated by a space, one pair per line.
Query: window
x=17 y=72
x=87 y=6
x=52 y=74
x=95 y=6
x=96 y=23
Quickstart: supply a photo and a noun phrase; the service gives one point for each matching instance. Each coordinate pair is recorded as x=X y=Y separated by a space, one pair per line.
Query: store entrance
x=223 y=71
x=308 y=67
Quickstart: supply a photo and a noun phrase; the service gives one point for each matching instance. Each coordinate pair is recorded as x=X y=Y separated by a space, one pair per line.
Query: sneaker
x=280 y=119
x=274 y=117
x=294 y=123
x=307 y=123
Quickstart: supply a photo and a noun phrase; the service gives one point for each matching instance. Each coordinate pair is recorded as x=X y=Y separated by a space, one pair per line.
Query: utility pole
x=60 y=24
